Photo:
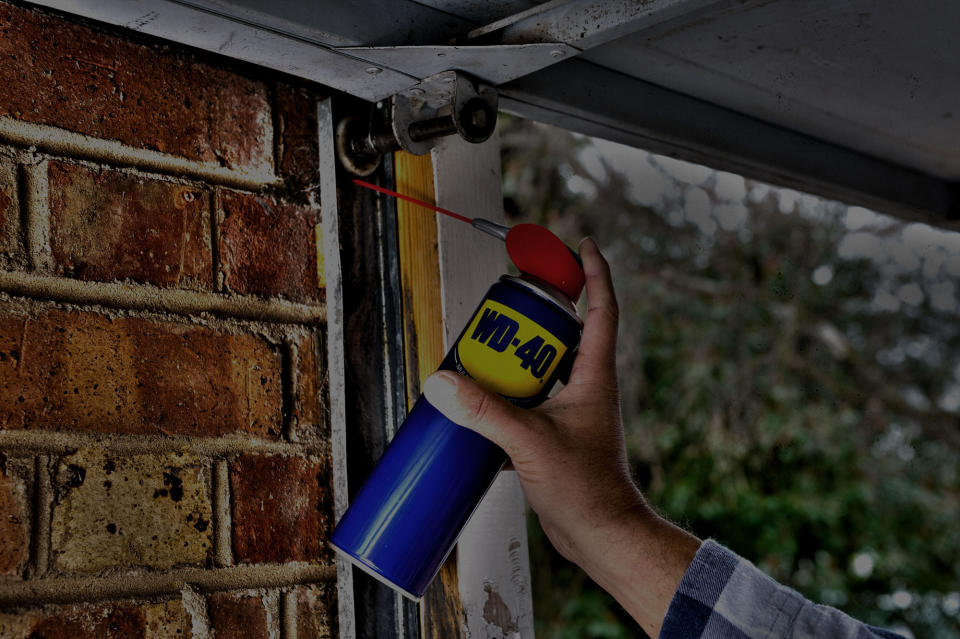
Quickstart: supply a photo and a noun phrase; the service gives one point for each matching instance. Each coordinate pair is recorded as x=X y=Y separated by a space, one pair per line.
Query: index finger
x=596 y=360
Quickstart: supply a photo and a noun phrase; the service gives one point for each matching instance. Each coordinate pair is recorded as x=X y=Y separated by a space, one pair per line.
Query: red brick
x=268 y=247
x=119 y=620
x=9 y=211
x=316 y=612
x=72 y=370
x=281 y=509
x=298 y=132
x=309 y=409
x=237 y=616
x=14 y=520
x=115 y=622
x=59 y=73
x=113 y=226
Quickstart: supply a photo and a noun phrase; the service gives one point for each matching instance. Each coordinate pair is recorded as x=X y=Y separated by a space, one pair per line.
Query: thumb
x=467 y=403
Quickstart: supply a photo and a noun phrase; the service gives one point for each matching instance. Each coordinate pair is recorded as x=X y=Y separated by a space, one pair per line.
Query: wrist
x=583 y=534
x=640 y=558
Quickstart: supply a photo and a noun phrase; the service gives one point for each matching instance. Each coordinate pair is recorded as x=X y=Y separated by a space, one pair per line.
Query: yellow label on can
x=508 y=352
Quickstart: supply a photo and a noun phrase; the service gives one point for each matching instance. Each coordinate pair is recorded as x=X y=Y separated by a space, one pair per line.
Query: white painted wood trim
x=492 y=556
x=336 y=371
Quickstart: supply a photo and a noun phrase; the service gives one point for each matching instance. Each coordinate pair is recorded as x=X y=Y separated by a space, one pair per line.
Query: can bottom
x=373 y=572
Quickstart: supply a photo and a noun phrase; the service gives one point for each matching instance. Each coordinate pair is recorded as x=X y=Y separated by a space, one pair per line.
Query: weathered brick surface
x=119 y=506
x=298 y=133
x=9 y=212
x=237 y=616
x=141 y=510
x=71 y=370
x=281 y=509
x=316 y=612
x=268 y=247
x=309 y=417
x=88 y=81
x=107 y=226
x=14 y=520
x=122 y=620
x=17 y=624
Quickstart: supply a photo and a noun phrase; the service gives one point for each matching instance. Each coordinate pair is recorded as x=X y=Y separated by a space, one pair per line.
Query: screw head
x=556 y=53
x=373 y=70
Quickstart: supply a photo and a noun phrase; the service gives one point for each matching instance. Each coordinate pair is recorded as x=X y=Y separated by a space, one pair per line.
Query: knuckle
x=604 y=266
x=607 y=306
x=613 y=310
x=478 y=408
x=609 y=312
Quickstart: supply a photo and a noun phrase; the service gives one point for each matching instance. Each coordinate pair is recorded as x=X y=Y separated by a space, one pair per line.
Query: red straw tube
x=413 y=200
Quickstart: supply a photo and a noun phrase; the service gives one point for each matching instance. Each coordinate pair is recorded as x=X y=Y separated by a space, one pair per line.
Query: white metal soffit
x=858 y=100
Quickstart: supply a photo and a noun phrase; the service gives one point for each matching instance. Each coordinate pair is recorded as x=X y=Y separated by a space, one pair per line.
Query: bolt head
x=556 y=53
x=477 y=120
x=373 y=70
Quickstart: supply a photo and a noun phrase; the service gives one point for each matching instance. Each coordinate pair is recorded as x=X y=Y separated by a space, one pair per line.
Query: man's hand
x=570 y=457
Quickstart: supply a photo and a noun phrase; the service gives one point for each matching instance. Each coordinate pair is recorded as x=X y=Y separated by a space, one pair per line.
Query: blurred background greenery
x=790 y=371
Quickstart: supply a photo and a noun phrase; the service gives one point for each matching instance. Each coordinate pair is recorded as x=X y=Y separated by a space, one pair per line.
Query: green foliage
x=784 y=376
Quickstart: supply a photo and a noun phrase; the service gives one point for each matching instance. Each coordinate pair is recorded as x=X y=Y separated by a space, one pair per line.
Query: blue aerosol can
x=406 y=518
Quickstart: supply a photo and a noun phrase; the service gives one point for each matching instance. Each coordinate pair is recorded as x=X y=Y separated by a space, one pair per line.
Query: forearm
x=640 y=559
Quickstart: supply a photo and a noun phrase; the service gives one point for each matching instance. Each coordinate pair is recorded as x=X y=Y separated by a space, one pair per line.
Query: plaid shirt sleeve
x=724 y=596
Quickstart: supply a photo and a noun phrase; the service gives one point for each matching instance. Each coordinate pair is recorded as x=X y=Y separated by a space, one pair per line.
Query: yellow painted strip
x=419 y=271
x=441 y=611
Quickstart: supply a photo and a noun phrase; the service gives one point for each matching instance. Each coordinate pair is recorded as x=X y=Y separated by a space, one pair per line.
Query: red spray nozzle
x=533 y=249
x=536 y=251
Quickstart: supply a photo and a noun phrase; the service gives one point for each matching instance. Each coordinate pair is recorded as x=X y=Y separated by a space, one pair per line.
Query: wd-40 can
x=407 y=516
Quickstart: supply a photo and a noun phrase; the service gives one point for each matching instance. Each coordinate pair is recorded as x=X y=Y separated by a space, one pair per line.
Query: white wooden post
x=328 y=245
x=492 y=556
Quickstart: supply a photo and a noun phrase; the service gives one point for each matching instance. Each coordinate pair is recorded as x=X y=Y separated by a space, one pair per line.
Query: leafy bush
x=790 y=370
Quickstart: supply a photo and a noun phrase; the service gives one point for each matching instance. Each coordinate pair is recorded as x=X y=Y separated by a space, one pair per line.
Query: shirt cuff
x=723 y=595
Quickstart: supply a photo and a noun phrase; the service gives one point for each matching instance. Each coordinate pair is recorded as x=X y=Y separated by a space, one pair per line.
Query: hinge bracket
x=414 y=119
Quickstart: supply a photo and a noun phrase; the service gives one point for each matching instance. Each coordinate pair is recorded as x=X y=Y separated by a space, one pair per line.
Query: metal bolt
x=373 y=70
x=432 y=128
x=556 y=53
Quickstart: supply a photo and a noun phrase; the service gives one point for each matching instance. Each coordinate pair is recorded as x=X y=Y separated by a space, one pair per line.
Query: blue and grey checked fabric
x=725 y=596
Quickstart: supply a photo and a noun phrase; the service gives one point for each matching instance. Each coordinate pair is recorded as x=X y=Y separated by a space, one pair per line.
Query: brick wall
x=164 y=456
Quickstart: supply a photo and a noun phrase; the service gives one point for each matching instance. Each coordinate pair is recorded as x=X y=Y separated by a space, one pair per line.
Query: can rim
x=373 y=572
x=547 y=292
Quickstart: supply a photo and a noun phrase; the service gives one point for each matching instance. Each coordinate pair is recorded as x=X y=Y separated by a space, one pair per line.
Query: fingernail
x=447 y=377
x=441 y=381
x=587 y=241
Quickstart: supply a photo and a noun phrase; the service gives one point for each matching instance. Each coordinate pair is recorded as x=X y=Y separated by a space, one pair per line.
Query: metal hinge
x=413 y=120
